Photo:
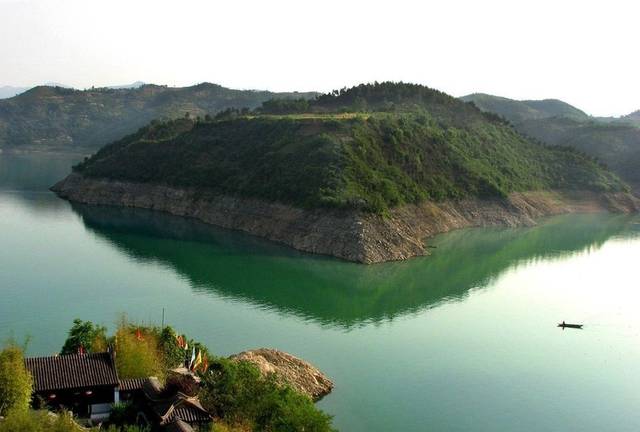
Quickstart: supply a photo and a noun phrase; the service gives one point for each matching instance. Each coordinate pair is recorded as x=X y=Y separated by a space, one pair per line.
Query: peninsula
x=364 y=174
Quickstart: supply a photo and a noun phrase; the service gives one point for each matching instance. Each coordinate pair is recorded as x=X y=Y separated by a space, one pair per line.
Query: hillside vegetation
x=616 y=142
x=57 y=118
x=412 y=144
x=516 y=111
x=372 y=147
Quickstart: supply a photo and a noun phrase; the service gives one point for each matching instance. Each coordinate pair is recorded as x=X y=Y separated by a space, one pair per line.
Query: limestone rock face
x=288 y=369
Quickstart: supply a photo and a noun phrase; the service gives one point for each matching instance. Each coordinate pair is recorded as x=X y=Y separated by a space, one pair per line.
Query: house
x=85 y=383
x=131 y=389
x=181 y=407
x=175 y=411
x=88 y=385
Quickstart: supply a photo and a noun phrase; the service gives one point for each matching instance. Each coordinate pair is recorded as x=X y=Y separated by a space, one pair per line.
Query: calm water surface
x=459 y=341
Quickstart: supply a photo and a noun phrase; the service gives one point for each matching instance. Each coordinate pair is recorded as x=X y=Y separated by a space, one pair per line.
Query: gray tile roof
x=131 y=384
x=72 y=371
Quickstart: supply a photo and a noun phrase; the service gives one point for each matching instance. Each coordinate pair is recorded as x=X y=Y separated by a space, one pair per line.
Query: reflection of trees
x=331 y=291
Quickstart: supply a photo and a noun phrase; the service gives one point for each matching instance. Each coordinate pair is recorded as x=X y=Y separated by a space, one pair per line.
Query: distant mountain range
x=516 y=111
x=10 y=91
x=615 y=141
x=634 y=116
x=58 y=118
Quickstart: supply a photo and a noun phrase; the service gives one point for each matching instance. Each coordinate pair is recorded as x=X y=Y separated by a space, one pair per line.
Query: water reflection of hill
x=34 y=171
x=334 y=292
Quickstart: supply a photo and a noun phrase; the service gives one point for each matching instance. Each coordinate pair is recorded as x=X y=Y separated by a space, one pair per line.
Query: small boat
x=566 y=325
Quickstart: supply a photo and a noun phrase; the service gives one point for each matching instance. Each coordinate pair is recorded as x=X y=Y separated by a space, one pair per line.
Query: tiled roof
x=72 y=371
x=152 y=388
x=131 y=384
x=190 y=414
x=181 y=407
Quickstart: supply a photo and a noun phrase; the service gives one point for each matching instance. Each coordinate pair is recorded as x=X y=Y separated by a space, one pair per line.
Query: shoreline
x=350 y=235
x=52 y=151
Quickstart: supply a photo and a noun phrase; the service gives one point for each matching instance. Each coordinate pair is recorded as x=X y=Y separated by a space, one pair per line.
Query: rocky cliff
x=289 y=370
x=351 y=235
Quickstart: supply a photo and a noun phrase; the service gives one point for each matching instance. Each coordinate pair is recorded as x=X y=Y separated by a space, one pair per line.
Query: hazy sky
x=584 y=52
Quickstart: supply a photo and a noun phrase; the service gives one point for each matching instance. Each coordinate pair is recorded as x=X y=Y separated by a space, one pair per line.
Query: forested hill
x=372 y=147
x=634 y=117
x=517 y=111
x=616 y=142
x=57 y=118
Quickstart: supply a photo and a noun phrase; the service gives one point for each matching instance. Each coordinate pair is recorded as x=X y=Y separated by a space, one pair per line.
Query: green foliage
x=86 y=334
x=122 y=414
x=59 y=118
x=371 y=163
x=616 y=142
x=141 y=351
x=233 y=391
x=138 y=356
x=516 y=111
x=284 y=106
x=38 y=421
x=173 y=355
x=237 y=393
x=616 y=145
x=16 y=383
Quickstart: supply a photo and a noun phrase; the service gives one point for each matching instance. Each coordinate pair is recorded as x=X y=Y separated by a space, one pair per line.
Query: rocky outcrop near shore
x=289 y=370
x=350 y=235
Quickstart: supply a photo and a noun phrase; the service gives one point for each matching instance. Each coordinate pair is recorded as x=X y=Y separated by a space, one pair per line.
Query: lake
x=464 y=339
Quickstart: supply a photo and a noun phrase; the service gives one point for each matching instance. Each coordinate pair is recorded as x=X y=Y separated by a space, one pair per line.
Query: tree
x=16 y=383
x=173 y=354
x=138 y=353
x=91 y=337
x=236 y=392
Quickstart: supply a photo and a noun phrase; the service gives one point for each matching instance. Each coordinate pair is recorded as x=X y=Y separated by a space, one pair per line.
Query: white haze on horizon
x=582 y=52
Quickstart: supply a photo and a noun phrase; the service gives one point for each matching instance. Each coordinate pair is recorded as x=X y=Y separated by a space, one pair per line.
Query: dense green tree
x=16 y=383
x=237 y=392
x=174 y=355
x=85 y=334
x=365 y=161
x=138 y=352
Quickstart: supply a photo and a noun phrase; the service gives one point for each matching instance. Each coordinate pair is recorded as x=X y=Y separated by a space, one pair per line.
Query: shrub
x=38 y=421
x=122 y=413
x=16 y=383
x=137 y=356
x=237 y=392
x=86 y=334
x=173 y=355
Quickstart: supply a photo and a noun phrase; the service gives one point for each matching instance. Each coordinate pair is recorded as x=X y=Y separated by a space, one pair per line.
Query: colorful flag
x=139 y=334
x=81 y=349
x=205 y=364
x=197 y=362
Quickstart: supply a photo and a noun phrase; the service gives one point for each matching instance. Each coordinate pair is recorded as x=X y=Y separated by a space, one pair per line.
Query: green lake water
x=463 y=340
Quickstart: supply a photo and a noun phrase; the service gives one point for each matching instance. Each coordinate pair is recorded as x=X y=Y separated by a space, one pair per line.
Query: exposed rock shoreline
x=350 y=235
x=290 y=370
